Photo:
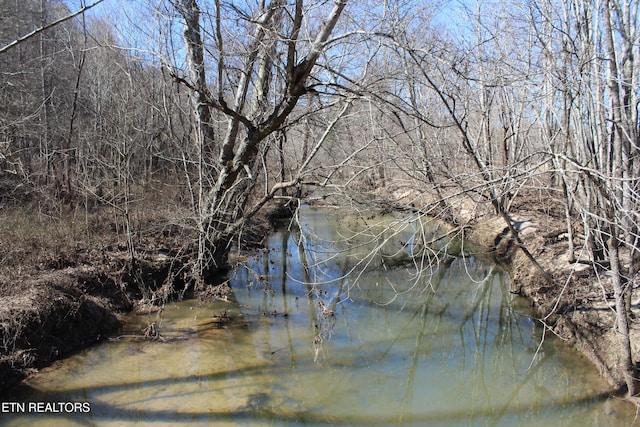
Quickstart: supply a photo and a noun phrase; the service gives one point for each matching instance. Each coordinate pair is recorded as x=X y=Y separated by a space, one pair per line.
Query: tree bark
x=616 y=203
x=223 y=204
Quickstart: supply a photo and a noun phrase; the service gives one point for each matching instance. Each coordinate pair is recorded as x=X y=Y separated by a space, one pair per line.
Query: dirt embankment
x=49 y=314
x=64 y=306
x=66 y=280
x=45 y=318
x=577 y=304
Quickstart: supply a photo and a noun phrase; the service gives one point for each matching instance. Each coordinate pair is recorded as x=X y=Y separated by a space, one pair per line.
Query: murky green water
x=316 y=338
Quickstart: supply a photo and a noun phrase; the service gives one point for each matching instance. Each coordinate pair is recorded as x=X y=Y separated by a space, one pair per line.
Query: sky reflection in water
x=313 y=345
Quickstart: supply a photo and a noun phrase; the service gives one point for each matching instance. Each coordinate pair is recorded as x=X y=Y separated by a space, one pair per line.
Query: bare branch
x=47 y=26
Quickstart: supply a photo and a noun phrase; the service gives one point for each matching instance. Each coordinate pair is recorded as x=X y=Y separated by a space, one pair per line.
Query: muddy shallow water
x=313 y=336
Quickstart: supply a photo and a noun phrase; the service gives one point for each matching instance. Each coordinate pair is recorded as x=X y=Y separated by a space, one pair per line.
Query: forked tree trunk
x=222 y=204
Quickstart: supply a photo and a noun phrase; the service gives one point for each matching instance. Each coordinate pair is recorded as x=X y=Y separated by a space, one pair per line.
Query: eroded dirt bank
x=577 y=304
x=51 y=316
x=50 y=312
x=66 y=275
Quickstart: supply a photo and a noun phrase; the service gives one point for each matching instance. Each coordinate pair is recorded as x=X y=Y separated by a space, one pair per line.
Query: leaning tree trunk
x=223 y=202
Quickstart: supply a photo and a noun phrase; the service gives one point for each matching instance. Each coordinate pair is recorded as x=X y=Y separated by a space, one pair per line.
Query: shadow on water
x=103 y=410
x=112 y=413
x=318 y=342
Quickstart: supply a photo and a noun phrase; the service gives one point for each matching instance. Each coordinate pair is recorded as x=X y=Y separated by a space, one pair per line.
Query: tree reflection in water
x=328 y=332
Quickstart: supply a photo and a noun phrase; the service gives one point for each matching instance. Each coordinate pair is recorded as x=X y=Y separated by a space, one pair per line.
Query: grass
x=36 y=236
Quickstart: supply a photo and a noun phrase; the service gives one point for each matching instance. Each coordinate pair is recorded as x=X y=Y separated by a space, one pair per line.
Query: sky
x=137 y=27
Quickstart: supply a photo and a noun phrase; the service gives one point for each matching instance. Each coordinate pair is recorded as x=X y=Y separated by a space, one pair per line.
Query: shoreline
x=577 y=306
x=60 y=311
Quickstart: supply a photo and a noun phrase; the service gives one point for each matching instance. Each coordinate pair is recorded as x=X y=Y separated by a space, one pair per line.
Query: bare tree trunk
x=69 y=158
x=627 y=367
x=203 y=130
x=281 y=137
x=222 y=204
x=44 y=111
x=616 y=202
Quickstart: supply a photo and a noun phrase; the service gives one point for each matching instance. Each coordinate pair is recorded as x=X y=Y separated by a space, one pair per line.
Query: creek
x=343 y=321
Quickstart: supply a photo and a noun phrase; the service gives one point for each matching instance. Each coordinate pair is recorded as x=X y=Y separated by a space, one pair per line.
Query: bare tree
x=591 y=133
x=273 y=56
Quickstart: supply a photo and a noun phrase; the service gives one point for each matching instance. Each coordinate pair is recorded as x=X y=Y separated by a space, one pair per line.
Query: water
x=313 y=337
